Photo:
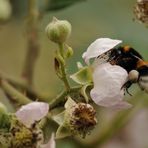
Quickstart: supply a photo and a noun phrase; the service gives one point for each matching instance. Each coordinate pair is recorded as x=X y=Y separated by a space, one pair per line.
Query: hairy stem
x=33 y=43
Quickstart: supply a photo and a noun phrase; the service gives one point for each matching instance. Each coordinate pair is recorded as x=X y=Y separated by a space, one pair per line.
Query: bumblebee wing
x=135 y=53
x=103 y=58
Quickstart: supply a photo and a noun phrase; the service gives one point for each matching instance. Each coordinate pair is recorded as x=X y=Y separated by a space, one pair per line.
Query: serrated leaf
x=83 y=76
x=54 y=5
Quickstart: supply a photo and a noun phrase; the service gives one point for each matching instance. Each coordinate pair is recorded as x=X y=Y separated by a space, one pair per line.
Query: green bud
x=69 y=52
x=5 y=10
x=58 y=31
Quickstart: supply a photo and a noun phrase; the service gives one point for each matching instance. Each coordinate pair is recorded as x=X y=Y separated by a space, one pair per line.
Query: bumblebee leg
x=128 y=92
x=126 y=86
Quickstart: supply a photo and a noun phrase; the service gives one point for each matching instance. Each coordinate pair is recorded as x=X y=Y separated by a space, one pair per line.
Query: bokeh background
x=90 y=20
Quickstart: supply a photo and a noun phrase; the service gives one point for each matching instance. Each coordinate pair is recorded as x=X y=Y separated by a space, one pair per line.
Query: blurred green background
x=90 y=20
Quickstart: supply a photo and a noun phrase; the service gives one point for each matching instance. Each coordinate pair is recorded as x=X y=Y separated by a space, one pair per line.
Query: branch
x=22 y=85
x=33 y=43
x=13 y=93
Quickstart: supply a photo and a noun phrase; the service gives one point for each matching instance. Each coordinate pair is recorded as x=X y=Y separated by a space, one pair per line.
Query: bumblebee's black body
x=125 y=57
x=143 y=70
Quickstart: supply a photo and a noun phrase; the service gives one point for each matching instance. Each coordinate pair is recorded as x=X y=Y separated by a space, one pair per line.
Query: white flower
x=51 y=143
x=108 y=80
x=32 y=112
x=99 y=47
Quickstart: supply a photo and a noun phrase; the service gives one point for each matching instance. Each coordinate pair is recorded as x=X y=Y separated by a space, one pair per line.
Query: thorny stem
x=33 y=43
x=63 y=70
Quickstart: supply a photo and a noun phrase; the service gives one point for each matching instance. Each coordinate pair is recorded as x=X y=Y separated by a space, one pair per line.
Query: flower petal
x=51 y=143
x=99 y=47
x=121 y=105
x=32 y=112
x=108 y=80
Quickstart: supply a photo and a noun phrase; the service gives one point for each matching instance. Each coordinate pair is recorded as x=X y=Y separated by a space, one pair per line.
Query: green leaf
x=54 y=5
x=83 y=76
x=85 y=91
x=79 y=65
x=62 y=132
x=69 y=103
x=59 y=118
x=62 y=119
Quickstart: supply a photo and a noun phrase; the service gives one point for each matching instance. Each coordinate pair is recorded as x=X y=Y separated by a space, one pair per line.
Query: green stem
x=13 y=93
x=63 y=70
x=61 y=98
x=22 y=85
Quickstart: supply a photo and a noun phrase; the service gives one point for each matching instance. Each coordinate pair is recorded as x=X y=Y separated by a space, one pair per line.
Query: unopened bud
x=58 y=31
x=69 y=52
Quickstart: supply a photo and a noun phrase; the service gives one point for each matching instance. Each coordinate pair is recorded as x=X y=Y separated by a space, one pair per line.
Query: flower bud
x=5 y=10
x=69 y=52
x=81 y=119
x=58 y=31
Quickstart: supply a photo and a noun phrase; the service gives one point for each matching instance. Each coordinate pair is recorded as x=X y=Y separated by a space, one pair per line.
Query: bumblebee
x=133 y=63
